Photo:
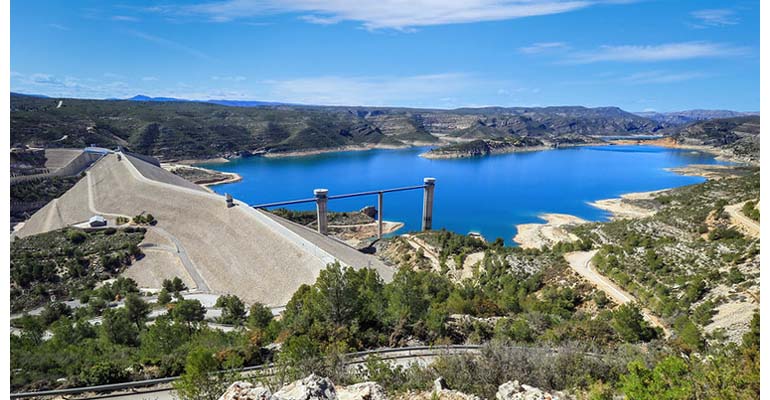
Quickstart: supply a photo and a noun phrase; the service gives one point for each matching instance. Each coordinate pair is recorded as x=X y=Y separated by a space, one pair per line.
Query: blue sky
x=638 y=55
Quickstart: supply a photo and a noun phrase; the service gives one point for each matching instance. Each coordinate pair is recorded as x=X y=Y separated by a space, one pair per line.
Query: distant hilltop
x=177 y=129
x=688 y=116
x=231 y=103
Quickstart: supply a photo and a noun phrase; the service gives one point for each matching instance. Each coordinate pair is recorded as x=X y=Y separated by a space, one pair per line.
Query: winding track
x=580 y=261
x=736 y=214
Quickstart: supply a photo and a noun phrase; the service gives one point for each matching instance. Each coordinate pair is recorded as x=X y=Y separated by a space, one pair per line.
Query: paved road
x=188 y=264
x=580 y=261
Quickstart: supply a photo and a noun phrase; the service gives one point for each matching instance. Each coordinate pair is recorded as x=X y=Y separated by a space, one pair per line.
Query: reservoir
x=490 y=195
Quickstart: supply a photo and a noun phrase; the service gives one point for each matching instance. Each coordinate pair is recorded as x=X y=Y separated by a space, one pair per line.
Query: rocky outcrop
x=312 y=387
x=484 y=147
x=362 y=391
x=315 y=387
x=512 y=390
x=246 y=391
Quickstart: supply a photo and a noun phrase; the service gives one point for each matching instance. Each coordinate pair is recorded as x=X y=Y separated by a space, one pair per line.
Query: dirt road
x=580 y=261
x=747 y=224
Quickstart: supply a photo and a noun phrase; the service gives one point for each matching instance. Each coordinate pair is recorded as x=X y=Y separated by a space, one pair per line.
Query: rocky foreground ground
x=315 y=387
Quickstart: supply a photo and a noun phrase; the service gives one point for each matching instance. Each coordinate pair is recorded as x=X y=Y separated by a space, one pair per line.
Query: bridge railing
x=321 y=198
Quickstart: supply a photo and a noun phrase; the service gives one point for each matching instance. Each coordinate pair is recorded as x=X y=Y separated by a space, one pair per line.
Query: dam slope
x=238 y=250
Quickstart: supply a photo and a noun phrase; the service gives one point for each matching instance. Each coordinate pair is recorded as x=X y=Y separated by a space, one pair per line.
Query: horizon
x=496 y=53
x=153 y=99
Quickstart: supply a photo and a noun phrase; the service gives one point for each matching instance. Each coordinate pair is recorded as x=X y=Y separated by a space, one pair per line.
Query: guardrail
x=321 y=198
x=355 y=358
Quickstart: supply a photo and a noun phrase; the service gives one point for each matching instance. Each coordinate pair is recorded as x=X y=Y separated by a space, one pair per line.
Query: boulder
x=312 y=387
x=245 y=391
x=362 y=391
x=440 y=384
x=512 y=390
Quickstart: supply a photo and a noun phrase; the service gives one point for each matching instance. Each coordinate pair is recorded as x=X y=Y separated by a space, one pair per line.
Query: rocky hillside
x=510 y=144
x=689 y=116
x=188 y=130
x=738 y=136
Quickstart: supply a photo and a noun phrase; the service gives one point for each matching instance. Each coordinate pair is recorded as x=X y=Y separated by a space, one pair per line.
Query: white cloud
x=124 y=18
x=59 y=27
x=66 y=86
x=442 y=90
x=542 y=47
x=714 y=17
x=379 y=14
x=653 y=53
x=168 y=44
x=149 y=78
x=417 y=90
x=653 y=77
x=229 y=78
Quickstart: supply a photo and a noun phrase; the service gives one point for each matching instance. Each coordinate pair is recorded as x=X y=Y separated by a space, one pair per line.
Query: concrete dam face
x=217 y=249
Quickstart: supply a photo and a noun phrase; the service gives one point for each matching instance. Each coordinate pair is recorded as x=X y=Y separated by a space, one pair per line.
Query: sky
x=640 y=55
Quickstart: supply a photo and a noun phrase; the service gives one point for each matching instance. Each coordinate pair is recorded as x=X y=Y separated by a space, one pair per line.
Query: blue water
x=490 y=195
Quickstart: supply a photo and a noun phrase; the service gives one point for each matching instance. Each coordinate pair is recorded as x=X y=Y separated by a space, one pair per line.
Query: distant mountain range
x=170 y=128
x=686 y=117
x=231 y=103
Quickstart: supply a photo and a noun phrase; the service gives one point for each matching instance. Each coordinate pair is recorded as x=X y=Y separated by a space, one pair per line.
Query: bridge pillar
x=427 y=203
x=379 y=215
x=321 y=200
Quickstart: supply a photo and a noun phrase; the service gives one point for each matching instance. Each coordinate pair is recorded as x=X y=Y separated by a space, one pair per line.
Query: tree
x=233 y=309
x=163 y=297
x=668 y=380
x=336 y=296
x=201 y=379
x=53 y=311
x=175 y=285
x=628 y=323
x=178 y=285
x=259 y=316
x=118 y=327
x=137 y=309
x=188 y=311
x=688 y=334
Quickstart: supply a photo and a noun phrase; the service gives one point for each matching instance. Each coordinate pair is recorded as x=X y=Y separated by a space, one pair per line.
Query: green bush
x=233 y=310
x=259 y=316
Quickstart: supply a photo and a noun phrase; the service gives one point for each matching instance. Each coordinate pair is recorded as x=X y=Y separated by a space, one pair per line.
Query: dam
x=214 y=248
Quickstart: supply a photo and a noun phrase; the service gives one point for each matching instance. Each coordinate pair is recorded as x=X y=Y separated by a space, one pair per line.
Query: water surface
x=490 y=195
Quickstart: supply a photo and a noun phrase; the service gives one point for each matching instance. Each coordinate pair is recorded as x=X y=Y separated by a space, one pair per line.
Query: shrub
x=163 y=297
x=259 y=316
x=233 y=310
x=76 y=236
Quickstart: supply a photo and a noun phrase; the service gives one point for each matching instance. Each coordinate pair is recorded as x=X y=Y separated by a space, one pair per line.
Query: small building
x=97 y=220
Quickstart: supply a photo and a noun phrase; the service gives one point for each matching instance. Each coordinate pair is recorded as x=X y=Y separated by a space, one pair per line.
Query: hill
x=173 y=130
x=738 y=137
x=689 y=116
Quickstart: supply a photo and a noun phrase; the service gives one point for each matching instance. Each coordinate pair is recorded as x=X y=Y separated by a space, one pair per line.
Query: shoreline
x=233 y=177
x=205 y=183
x=535 y=235
x=343 y=149
x=511 y=150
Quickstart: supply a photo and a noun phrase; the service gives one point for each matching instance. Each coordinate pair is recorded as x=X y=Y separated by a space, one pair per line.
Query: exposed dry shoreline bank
x=536 y=235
